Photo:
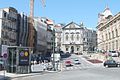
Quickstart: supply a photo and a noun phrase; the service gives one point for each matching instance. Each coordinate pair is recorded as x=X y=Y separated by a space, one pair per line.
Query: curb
x=33 y=74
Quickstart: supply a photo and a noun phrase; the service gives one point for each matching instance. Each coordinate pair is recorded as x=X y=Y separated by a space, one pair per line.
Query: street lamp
x=53 y=32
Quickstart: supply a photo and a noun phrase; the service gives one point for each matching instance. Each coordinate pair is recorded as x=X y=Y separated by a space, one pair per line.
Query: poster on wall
x=23 y=56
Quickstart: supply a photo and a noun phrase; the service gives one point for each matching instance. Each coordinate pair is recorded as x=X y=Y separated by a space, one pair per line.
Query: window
x=109 y=46
x=112 y=34
x=109 y=35
x=114 y=21
x=106 y=37
x=77 y=49
x=66 y=49
x=116 y=32
x=112 y=45
x=72 y=37
x=116 y=44
x=66 y=37
x=77 y=37
x=5 y=14
x=106 y=46
x=102 y=37
x=83 y=39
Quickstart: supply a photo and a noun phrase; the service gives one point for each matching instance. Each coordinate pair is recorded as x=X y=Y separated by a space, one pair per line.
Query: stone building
x=77 y=38
x=108 y=31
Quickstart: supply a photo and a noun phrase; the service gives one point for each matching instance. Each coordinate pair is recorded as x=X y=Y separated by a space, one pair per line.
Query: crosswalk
x=70 y=68
x=74 y=68
x=77 y=68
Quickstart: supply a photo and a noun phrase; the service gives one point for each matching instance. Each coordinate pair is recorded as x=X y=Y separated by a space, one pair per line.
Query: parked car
x=111 y=63
x=76 y=61
x=113 y=53
x=68 y=63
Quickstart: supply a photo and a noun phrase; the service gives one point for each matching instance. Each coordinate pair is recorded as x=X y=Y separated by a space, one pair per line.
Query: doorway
x=72 y=49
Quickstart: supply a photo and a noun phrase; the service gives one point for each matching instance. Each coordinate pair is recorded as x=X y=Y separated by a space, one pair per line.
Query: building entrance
x=72 y=49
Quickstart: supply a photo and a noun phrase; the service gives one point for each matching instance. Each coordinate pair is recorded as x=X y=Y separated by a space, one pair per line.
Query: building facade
x=58 y=33
x=72 y=38
x=40 y=36
x=43 y=38
x=108 y=31
x=89 y=40
x=8 y=26
x=22 y=29
x=78 y=39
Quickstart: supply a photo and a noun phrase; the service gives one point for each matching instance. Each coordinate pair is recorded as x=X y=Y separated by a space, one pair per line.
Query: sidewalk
x=37 y=69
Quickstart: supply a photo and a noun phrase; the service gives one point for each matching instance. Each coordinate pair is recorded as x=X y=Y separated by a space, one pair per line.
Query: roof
x=107 y=12
x=72 y=23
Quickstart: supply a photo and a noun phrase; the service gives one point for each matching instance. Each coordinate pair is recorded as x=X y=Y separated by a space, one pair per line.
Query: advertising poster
x=23 y=57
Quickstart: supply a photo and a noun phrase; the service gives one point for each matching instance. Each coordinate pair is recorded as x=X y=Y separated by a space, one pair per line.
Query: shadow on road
x=4 y=78
x=65 y=55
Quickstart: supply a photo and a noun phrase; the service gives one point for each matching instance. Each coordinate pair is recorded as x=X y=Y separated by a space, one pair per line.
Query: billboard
x=23 y=56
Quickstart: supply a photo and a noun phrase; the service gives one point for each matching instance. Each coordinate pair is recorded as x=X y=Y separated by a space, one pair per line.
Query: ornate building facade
x=108 y=31
x=77 y=39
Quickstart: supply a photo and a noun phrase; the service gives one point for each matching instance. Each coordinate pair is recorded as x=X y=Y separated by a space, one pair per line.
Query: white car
x=113 y=53
x=76 y=61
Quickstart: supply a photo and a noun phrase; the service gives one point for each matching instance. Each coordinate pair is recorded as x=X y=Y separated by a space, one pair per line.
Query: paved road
x=85 y=74
x=87 y=71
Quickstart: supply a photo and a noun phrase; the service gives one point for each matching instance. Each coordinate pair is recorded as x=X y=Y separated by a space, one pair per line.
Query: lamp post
x=53 y=31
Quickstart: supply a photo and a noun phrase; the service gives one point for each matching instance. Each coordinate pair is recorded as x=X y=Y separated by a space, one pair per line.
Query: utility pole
x=53 y=31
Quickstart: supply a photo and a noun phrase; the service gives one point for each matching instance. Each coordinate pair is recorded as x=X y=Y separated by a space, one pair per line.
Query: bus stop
x=19 y=59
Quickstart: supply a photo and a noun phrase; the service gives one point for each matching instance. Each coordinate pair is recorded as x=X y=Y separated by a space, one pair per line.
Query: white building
x=72 y=38
x=78 y=39
x=108 y=31
x=58 y=32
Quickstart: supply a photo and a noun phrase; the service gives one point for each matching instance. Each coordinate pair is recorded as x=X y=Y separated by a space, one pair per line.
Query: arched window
x=116 y=32
x=112 y=34
x=109 y=35
x=66 y=37
x=72 y=38
x=77 y=37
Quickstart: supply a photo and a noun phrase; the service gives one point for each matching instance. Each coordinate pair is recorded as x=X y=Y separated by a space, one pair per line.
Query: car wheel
x=118 y=65
x=106 y=66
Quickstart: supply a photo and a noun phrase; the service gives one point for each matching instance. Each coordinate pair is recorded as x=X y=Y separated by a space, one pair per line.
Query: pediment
x=72 y=25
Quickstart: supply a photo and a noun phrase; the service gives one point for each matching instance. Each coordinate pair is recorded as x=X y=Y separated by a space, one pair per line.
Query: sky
x=65 y=11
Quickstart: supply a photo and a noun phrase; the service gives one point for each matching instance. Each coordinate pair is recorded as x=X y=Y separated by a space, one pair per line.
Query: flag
x=43 y=3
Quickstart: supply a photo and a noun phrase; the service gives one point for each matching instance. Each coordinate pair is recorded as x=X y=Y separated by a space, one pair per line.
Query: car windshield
x=76 y=60
x=110 y=61
x=112 y=51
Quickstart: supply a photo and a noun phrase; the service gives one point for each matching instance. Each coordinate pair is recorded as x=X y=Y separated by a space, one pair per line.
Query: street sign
x=5 y=55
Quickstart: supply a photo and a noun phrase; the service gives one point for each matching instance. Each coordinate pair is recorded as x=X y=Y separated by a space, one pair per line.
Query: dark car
x=111 y=63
